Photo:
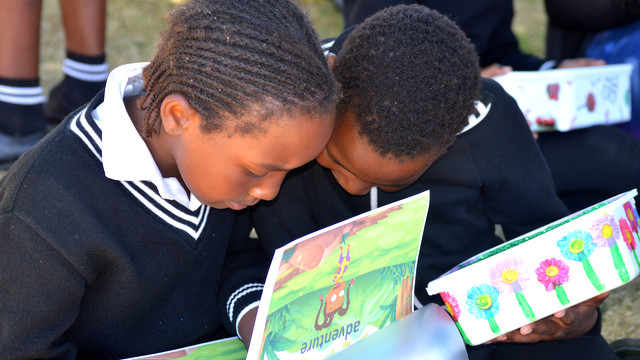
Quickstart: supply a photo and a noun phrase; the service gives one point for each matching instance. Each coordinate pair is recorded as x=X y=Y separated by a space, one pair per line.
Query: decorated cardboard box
x=567 y=99
x=542 y=272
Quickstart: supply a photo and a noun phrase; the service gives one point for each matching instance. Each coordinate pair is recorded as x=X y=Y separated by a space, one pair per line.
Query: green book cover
x=335 y=286
x=224 y=349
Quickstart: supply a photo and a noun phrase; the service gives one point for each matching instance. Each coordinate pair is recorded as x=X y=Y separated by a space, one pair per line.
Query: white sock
x=21 y=95
x=86 y=72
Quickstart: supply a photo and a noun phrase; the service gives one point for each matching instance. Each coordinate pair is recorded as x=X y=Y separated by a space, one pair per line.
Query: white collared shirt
x=125 y=155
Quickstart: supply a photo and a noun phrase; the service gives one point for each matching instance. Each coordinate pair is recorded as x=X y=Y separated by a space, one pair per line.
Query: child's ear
x=331 y=60
x=177 y=114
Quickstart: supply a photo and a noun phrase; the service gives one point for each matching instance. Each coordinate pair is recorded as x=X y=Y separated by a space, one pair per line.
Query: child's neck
x=157 y=145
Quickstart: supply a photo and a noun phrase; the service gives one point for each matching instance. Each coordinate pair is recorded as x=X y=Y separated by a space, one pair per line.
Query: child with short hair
x=414 y=115
x=116 y=234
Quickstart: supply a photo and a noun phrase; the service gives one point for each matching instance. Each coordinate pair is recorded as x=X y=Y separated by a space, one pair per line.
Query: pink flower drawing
x=552 y=273
x=510 y=276
x=630 y=211
x=625 y=229
x=452 y=305
x=605 y=231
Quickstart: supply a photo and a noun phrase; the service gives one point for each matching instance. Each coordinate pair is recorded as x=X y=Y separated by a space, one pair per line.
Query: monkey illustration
x=334 y=301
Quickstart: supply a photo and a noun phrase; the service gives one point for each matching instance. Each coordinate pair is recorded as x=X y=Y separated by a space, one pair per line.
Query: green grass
x=325 y=16
x=530 y=26
x=133 y=30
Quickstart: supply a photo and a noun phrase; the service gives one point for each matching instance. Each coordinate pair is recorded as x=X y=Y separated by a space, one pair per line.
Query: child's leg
x=85 y=67
x=21 y=118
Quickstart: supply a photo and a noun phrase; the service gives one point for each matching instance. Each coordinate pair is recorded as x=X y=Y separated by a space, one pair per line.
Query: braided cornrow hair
x=232 y=59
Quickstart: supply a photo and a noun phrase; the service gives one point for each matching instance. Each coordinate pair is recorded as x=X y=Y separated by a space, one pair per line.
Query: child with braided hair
x=118 y=230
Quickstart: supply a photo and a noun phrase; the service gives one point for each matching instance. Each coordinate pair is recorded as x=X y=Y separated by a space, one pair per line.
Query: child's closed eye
x=256 y=175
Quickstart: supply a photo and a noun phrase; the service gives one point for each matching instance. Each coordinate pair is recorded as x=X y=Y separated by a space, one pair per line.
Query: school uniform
x=576 y=158
x=102 y=257
x=492 y=174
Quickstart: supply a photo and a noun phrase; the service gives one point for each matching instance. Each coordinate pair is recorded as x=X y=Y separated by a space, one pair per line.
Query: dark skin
x=230 y=170
x=565 y=324
x=494 y=70
x=344 y=156
x=226 y=170
x=245 y=326
x=84 y=24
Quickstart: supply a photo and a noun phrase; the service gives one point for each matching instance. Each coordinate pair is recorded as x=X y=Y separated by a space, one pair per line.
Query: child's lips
x=239 y=206
x=236 y=206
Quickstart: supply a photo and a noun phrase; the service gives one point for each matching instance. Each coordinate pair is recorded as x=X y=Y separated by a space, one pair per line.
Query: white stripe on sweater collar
x=125 y=156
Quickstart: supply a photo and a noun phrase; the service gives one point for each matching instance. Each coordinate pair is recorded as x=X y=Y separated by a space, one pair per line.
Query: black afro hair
x=411 y=77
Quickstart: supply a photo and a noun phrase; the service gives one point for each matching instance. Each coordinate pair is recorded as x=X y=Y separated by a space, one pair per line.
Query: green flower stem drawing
x=494 y=326
x=618 y=263
x=635 y=255
x=591 y=274
x=562 y=295
x=552 y=273
x=629 y=239
x=522 y=301
x=578 y=245
x=464 y=335
x=511 y=276
x=524 y=305
x=483 y=304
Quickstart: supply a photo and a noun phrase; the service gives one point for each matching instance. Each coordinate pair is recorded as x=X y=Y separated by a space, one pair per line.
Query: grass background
x=133 y=31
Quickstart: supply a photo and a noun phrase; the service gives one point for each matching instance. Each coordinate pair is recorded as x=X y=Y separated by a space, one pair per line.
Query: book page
x=224 y=349
x=335 y=286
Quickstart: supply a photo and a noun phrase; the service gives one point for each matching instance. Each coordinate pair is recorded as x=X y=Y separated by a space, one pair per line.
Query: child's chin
x=235 y=206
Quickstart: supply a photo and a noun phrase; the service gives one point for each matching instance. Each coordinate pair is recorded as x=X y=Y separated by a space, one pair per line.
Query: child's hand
x=580 y=62
x=566 y=324
x=245 y=326
x=494 y=70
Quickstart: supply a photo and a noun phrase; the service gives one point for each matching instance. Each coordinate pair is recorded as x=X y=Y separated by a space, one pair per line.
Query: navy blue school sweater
x=96 y=268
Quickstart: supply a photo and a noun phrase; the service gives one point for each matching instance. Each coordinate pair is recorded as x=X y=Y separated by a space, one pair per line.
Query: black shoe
x=21 y=127
x=627 y=349
x=67 y=96
x=58 y=106
x=11 y=147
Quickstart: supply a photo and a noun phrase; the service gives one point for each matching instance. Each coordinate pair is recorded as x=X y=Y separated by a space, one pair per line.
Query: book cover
x=225 y=349
x=335 y=286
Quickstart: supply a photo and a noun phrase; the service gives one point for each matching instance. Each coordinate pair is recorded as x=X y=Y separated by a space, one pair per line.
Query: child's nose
x=355 y=186
x=270 y=186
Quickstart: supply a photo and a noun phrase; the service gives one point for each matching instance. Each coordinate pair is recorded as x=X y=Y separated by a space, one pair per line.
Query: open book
x=331 y=288
x=224 y=349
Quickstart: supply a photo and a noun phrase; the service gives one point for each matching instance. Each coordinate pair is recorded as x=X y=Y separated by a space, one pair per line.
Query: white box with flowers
x=567 y=99
x=542 y=272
